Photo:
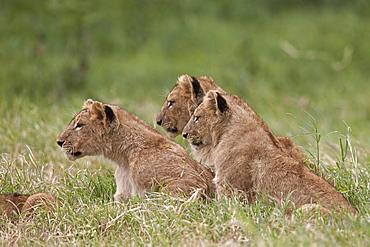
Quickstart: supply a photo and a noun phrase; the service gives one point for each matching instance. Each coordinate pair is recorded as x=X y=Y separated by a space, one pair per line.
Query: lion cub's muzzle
x=166 y=125
x=69 y=150
x=60 y=143
x=194 y=141
x=172 y=131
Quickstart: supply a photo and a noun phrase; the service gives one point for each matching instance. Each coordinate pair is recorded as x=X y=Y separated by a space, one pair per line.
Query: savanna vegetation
x=302 y=65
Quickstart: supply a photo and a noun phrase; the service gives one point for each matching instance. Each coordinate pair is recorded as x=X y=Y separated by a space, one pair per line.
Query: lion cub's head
x=200 y=128
x=181 y=103
x=86 y=133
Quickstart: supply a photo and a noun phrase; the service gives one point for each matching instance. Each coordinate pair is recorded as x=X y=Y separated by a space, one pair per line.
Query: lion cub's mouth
x=172 y=130
x=73 y=154
x=197 y=144
x=76 y=154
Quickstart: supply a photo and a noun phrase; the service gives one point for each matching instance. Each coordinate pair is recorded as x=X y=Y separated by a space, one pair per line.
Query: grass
x=303 y=67
x=87 y=215
x=31 y=162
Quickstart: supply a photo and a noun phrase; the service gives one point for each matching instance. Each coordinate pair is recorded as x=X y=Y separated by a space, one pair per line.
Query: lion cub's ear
x=101 y=112
x=88 y=103
x=217 y=102
x=96 y=110
x=109 y=114
x=190 y=85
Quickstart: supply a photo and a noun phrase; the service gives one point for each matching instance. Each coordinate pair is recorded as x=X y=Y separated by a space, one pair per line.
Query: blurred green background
x=292 y=56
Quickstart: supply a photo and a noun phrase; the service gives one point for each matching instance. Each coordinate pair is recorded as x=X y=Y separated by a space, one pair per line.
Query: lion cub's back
x=11 y=204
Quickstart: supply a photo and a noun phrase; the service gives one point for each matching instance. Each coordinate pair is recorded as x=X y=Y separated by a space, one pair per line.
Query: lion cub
x=147 y=160
x=186 y=96
x=12 y=205
x=182 y=101
x=230 y=136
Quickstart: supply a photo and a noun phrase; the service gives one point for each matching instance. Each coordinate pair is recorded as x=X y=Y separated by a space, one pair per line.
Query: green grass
x=87 y=215
x=302 y=66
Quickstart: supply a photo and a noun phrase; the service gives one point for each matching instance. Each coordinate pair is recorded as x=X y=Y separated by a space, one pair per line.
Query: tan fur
x=12 y=205
x=36 y=201
x=186 y=96
x=228 y=135
x=147 y=160
x=182 y=101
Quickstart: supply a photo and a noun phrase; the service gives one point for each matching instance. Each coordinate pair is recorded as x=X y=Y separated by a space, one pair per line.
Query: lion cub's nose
x=185 y=135
x=60 y=143
x=159 y=122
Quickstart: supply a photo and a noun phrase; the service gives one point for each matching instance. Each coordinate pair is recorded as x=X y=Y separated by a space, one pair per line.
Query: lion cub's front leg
x=126 y=186
x=224 y=189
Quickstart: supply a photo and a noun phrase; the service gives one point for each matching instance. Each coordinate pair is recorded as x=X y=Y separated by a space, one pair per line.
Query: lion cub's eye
x=196 y=118
x=78 y=126
x=170 y=103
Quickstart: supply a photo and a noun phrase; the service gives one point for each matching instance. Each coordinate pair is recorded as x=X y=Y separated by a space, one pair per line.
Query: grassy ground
x=303 y=67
